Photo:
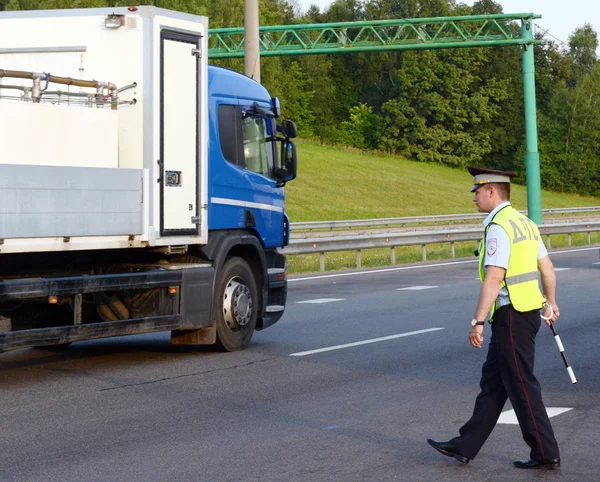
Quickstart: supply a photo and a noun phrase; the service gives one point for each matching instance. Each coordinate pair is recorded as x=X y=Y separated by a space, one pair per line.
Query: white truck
x=141 y=189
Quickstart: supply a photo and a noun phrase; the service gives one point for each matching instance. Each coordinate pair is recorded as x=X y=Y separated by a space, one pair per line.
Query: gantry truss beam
x=376 y=35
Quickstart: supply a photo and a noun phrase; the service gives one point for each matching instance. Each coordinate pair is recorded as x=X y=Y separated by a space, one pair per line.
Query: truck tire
x=236 y=305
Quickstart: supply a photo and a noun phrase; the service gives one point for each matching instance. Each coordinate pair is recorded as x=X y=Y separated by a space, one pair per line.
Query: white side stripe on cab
x=245 y=204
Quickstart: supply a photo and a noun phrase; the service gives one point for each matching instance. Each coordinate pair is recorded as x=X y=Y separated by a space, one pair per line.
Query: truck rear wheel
x=236 y=306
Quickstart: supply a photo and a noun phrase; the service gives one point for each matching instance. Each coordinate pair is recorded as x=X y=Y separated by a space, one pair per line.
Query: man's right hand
x=476 y=336
x=550 y=308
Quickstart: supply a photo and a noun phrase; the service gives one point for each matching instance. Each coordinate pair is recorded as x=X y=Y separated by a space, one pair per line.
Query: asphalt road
x=341 y=390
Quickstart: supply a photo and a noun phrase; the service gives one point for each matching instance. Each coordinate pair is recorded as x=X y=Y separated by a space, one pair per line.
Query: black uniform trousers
x=508 y=373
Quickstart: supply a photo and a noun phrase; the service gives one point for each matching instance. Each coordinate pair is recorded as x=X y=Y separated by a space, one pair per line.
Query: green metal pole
x=532 y=156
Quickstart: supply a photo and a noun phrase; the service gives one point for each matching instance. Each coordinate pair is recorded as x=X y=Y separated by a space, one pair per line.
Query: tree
x=439 y=104
x=362 y=130
x=583 y=43
x=291 y=85
x=570 y=137
x=486 y=7
x=345 y=11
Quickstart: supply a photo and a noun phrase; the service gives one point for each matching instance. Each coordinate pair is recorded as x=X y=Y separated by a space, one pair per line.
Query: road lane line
x=321 y=300
x=364 y=342
x=421 y=266
x=561 y=269
x=385 y=270
x=417 y=288
x=573 y=250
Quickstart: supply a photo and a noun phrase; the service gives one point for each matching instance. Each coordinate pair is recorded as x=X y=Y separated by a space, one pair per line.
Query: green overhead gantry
x=407 y=34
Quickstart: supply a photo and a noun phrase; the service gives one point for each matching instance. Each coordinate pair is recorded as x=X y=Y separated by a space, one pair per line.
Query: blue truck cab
x=245 y=189
x=251 y=158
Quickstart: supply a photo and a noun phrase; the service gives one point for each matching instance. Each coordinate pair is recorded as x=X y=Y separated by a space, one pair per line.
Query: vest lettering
x=518 y=235
x=529 y=227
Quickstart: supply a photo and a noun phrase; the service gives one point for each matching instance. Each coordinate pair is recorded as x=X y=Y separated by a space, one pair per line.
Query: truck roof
x=224 y=82
x=142 y=10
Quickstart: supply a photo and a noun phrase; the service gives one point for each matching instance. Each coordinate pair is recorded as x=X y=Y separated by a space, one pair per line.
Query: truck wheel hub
x=237 y=304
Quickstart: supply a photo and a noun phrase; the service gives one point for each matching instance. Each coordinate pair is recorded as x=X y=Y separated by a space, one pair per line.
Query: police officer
x=510 y=256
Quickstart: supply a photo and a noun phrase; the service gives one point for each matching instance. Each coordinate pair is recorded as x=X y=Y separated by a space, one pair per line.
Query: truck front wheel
x=236 y=306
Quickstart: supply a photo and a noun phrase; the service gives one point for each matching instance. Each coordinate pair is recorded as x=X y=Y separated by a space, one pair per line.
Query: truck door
x=179 y=144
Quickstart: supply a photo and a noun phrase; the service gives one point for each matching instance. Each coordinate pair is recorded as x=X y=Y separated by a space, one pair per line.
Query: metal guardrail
x=391 y=240
x=364 y=223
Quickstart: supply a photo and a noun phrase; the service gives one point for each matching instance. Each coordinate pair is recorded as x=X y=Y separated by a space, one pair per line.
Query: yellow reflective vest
x=521 y=279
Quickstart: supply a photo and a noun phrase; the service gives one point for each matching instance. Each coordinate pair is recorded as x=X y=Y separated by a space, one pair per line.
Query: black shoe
x=448 y=450
x=545 y=464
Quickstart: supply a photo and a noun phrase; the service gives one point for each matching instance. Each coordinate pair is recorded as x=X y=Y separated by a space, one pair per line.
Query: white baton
x=561 y=348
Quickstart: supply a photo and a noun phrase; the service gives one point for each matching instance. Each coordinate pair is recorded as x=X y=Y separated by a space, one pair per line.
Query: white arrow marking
x=510 y=417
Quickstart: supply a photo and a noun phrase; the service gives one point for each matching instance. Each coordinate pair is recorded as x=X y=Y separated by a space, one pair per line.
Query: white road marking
x=364 y=342
x=561 y=269
x=509 y=417
x=596 y=263
x=384 y=270
x=572 y=250
x=321 y=300
x=418 y=288
x=402 y=268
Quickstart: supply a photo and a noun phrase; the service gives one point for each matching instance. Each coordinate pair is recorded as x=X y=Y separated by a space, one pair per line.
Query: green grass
x=334 y=183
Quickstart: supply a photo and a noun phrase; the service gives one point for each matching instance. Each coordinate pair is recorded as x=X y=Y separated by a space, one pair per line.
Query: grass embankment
x=335 y=183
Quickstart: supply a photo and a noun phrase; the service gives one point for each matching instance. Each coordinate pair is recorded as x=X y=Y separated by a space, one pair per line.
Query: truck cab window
x=246 y=140
x=230 y=134
x=258 y=152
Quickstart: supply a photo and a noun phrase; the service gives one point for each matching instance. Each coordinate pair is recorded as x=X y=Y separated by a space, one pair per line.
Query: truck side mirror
x=288 y=128
x=289 y=163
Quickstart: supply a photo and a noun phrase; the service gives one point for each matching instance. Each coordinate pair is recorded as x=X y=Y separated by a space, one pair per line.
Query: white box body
x=77 y=175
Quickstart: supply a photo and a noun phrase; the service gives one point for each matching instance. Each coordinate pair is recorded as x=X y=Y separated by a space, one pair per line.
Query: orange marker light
x=53 y=299
x=172 y=290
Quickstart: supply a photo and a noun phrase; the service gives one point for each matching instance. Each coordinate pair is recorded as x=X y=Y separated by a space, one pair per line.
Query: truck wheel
x=236 y=305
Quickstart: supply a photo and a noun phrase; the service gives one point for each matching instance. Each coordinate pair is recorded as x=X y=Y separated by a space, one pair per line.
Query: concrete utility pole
x=251 y=45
